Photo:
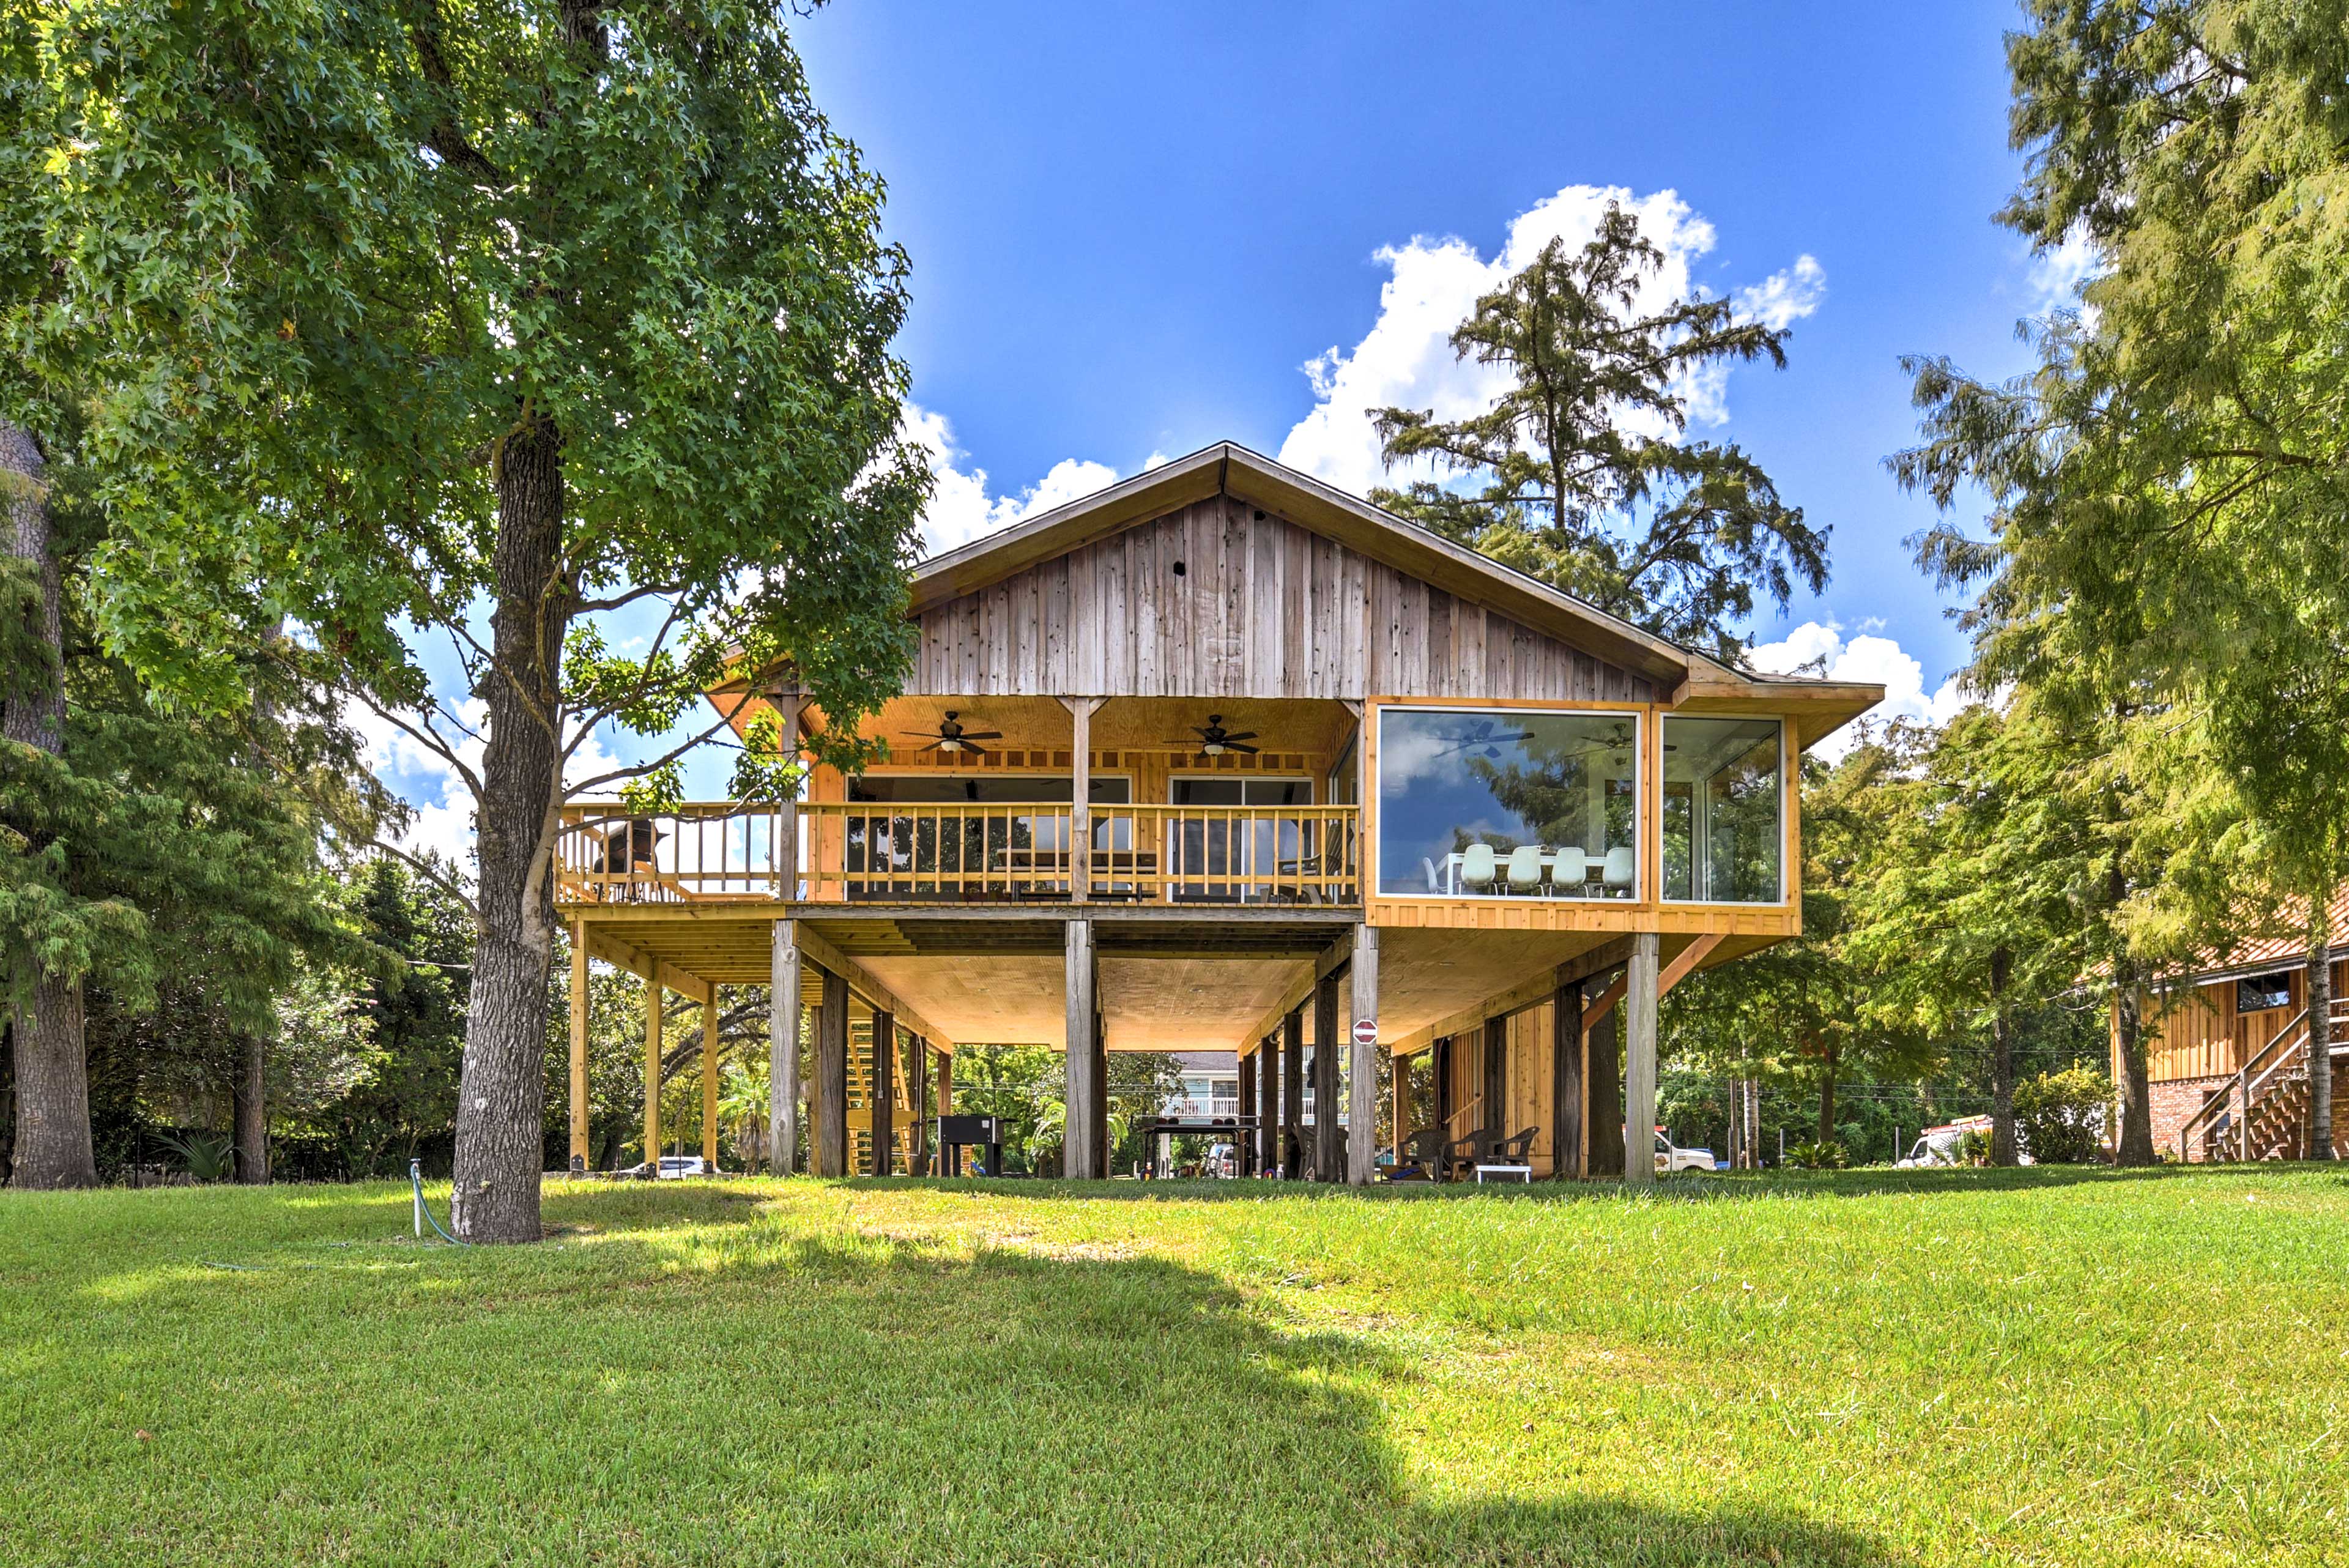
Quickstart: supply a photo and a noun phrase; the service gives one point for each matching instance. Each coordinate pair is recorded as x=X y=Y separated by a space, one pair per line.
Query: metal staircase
x=2262 y=1113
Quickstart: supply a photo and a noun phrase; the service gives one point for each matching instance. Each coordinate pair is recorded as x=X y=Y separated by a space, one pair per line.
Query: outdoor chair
x=1420 y=1157
x=1514 y=1150
x=1467 y=1152
x=1525 y=869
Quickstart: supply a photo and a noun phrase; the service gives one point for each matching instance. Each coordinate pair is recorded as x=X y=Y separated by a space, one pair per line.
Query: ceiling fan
x=951 y=738
x=1482 y=736
x=1214 y=739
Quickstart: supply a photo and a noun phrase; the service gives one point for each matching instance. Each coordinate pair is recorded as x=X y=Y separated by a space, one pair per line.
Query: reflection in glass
x=1720 y=810
x=1487 y=803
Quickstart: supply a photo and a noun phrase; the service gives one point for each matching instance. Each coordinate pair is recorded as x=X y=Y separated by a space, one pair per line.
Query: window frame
x=1374 y=720
x=1785 y=817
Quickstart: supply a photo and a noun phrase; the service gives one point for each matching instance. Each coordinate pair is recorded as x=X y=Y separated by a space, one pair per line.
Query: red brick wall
x=2179 y=1098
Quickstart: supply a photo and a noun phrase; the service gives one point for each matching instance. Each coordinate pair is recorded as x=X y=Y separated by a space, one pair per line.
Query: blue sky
x=1137 y=229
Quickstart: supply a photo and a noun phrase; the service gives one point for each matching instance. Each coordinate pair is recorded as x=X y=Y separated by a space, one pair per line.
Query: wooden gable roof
x=1224 y=574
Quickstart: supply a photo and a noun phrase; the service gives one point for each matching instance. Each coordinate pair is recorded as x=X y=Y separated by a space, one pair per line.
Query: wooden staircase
x=860 y=1104
x=2262 y=1113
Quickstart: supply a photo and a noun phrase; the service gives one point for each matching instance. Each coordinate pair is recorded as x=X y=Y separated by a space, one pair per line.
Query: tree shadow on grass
x=655 y=1395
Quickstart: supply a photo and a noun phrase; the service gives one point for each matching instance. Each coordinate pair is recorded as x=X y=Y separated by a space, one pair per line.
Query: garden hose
x=424 y=1209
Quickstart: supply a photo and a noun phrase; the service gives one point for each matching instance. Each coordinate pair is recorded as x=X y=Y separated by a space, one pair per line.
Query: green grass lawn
x=1928 y=1369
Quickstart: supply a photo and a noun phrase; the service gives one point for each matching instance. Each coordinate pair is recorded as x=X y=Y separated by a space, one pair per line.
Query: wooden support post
x=917 y=1062
x=652 y=1073
x=783 y=1049
x=1267 y=1100
x=579 y=1150
x=1566 y=1052
x=1602 y=1127
x=1362 y=1113
x=882 y=1095
x=1081 y=785
x=1294 y=1161
x=945 y=1108
x=1246 y=1150
x=1495 y=1065
x=830 y=1111
x=787 y=813
x=1326 y=1158
x=709 y=1083
x=1639 y=1064
x=1080 y=1157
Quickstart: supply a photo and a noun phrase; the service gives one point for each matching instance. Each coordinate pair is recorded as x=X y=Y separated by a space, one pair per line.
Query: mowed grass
x=1933 y=1368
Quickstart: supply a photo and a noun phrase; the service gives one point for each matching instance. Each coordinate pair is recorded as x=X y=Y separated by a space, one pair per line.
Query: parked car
x=1670 y=1158
x=673 y=1168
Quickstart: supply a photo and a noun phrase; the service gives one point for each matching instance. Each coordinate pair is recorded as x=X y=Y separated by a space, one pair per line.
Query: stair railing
x=2238 y=1087
x=2250 y=1086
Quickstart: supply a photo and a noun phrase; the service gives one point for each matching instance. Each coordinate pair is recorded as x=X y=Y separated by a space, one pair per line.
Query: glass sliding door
x=1218 y=858
x=1507 y=804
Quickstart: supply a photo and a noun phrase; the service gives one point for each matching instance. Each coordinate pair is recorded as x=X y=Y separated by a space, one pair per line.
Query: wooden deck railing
x=862 y=852
x=698 y=852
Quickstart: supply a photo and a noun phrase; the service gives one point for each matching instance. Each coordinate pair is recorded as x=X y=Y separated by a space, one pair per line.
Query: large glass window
x=1487 y=803
x=1722 y=807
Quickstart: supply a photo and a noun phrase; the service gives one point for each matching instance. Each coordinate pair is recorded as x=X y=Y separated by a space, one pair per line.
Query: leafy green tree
x=2167 y=484
x=1583 y=476
x=1974 y=909
x=485 y=321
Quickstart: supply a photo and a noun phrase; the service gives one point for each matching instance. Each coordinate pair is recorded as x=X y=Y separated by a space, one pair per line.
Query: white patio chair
x=1434 y=882
x=1478 y=867
x=1525 y=869
x=1621 y=870
x=1568 y=870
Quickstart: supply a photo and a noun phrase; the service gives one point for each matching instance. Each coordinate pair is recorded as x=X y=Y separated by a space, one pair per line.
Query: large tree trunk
x=2003 y=1151
x=252 y=1106
x=53 y=1144
x=501 y=1105
x=1827 y=1093
x=2320 y=1026
x=2136 y=1146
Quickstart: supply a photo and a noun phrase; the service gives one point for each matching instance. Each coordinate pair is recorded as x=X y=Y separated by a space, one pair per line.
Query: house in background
x=2226 y=1048
x=1222 y=759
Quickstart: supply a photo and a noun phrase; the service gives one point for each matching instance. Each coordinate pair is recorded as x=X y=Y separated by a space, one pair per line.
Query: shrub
x=1972 y=1147
x=1821 y=1154
x=2060 y=1117
x=209 y=1156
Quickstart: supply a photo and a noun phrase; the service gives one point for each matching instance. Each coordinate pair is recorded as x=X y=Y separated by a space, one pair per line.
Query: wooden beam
x=814 y=949
x=1326 y=963
x=1683 y=965
x=1527 y=993
x=1268 y=1102
x=579 y=1150
x=784 y=1050
x=788 y=702
x=1685 y=962
x=1362 y=1113
x=644 y=966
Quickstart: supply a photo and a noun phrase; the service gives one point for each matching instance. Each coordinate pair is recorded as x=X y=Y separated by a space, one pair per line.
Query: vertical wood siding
x=1263 y=608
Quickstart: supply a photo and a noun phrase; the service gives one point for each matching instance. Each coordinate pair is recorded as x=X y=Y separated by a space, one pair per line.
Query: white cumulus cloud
x=1405 y=360
x=962 y=508
x=1825 y=649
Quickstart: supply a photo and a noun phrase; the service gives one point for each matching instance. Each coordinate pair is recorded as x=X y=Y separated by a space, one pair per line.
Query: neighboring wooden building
x=2226 y=1051
x=1222 y=758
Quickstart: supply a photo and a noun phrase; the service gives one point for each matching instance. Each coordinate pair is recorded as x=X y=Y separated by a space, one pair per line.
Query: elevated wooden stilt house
x=1221 y=757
